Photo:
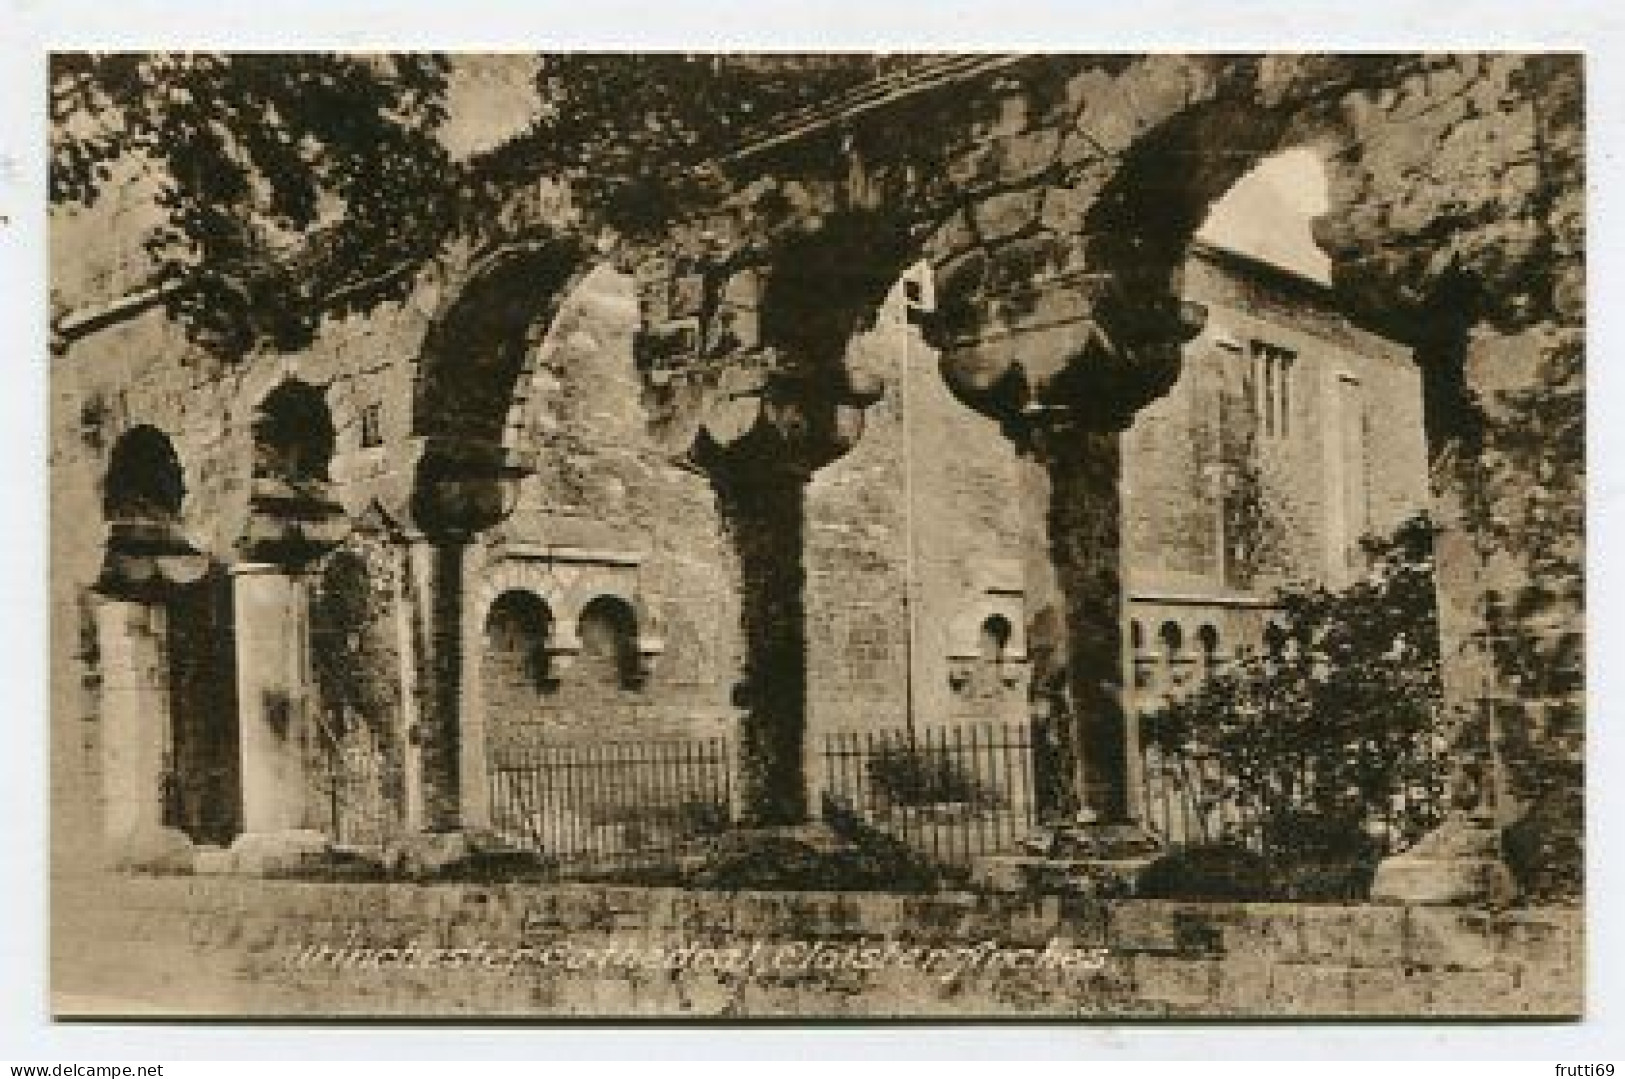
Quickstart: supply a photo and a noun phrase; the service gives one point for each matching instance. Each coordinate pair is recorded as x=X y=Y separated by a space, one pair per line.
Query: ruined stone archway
x=480 y=343
x=467 y=419
x=1054 y=198
x=154 y=759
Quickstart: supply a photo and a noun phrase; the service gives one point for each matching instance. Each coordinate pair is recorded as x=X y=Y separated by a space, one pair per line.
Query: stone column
x=274 y=687
x=765 y=510
x=1063 y=376
x=1070 y=499
x=461 y=489
x=131 y=639
x=445 y=782
x=145 y=562
x=1509 y=505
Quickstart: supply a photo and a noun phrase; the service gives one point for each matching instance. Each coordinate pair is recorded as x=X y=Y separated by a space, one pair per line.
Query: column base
x=464 y=854
x=150 y=849
x=273 y=854
x=1457 y=864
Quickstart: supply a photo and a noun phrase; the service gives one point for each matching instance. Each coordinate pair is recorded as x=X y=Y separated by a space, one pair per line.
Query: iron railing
x=356 y=783
x=951 y=792
x=1188 y=798
x=612 y=801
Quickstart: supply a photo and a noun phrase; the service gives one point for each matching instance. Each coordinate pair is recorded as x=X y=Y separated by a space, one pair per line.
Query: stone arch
x=163 y=652
x=517 y=670
x=994 y=638
x=1208 y=641
x=1054 y=197
x=608 y=630
x=479 y=347
x=143 y=496
x=647 y=638
x=645 y=616
x=1171 y=636
x=520 y=609
x=292 y=517
x=516 y=575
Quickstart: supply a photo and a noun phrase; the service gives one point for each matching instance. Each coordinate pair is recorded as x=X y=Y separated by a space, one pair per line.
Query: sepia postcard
x=822 y=535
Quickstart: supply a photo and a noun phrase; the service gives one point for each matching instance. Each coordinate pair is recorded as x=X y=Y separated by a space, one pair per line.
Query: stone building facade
x=605 y=607
x=1291 y=435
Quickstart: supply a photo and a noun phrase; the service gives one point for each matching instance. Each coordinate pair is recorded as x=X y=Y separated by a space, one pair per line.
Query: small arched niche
x=142 y=492
x=1207 y=640
x=608 y=662
x=518 y=682
x=994 y=638
x=144 y=480
x=293 y=435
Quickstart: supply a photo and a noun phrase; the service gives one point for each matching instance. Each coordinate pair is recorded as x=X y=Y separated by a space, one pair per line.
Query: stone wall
x=255 y=948
x=1220 y=512
x=917 y=516
x=638 y=525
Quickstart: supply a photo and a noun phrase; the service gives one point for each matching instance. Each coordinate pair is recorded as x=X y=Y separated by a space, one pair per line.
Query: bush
x=1544 y=849
x=1215 y=871
x=1335 y=719
x=1321 y=857
x=915 y=776
x=865 y=860
x=1307 y=858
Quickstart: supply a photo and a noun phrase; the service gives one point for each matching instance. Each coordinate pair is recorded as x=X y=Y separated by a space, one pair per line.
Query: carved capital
x=463 y=487
x=1088 y=348
x=291 y=524
x=146 y=560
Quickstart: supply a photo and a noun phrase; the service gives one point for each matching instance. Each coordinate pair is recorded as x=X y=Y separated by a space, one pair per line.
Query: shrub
x=1334 y=722
x=865 y=860
x=1215 y=871
x=907 y=775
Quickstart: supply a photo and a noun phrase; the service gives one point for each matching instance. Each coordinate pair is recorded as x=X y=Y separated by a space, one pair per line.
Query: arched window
x=1173 y=653
x=293 y=435
x=1207 y=639
x=994 y=639
x=516 y=666
x=609 y=646
x=1145 y=664
x=143 y=480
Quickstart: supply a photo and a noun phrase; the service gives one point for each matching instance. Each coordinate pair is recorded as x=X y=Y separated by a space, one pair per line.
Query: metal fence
x=353 y=780
x=950 y=792
x=612 y=801
x=1185 y=800
x=1188 y=798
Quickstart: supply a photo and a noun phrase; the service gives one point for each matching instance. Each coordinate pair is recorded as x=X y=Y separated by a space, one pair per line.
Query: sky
x=1267 y=214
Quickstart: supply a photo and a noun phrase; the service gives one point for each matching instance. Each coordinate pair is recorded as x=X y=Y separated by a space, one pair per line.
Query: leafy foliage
x=1320 y=735
x=907 y=775
x=1529 y=502
x=637 y=136
x=301 y=185
x=289 y=185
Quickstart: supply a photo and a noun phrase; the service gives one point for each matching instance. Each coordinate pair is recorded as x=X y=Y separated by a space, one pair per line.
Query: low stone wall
x=268 y=948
